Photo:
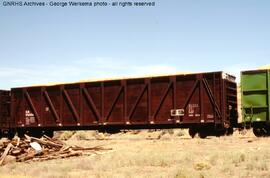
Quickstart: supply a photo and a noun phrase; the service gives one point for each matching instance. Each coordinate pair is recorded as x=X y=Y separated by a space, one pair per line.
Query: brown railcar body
x=4 y=111
x=201 y=99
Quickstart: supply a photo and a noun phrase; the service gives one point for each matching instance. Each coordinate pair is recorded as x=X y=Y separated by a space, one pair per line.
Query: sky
x=64 y=44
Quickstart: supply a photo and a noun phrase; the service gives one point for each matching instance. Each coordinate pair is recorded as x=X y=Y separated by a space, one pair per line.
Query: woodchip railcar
x=206 y=103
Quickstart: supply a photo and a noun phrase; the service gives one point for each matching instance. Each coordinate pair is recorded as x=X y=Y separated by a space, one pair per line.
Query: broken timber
x=40 y=149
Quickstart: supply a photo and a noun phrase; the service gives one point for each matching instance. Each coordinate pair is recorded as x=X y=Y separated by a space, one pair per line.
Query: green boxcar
x=255 y=95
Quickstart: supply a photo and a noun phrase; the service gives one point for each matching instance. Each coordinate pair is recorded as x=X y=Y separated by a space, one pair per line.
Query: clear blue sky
x=43 y=44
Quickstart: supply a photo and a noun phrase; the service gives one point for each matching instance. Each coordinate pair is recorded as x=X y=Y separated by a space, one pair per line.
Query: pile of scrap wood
x=38 y=149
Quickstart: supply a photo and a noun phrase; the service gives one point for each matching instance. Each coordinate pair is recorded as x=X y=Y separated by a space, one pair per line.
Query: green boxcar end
x=255 y=92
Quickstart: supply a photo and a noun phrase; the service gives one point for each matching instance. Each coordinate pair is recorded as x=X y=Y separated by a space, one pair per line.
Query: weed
x=201 y=166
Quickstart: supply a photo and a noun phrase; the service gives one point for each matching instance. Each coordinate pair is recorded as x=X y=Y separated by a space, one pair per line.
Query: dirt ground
x=167 y=153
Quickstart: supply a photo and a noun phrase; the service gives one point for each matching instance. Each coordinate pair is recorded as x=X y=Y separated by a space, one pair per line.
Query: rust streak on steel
x=124 y=84
x=61 y=103
x=28 y=98
x=190 y=94
x=74 y=112
x=223 y=105
x=114 y=103
x=137 y=101
x=149 y=100
x=201 y=98
x=162 y=99
x=91 y=103
x=214 y=93
x=102 y=102
x=210 y=94
x=173 y=79
x=81 y=101
x=47 y=97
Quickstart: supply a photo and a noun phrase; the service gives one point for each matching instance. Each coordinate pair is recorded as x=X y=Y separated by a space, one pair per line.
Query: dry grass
x=156 y=154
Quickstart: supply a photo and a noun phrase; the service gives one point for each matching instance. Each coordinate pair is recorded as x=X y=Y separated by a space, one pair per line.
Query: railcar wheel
x=229 y=131
x=202 y=134
x=219 y=133
x=192 y=132
x=258 y=132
